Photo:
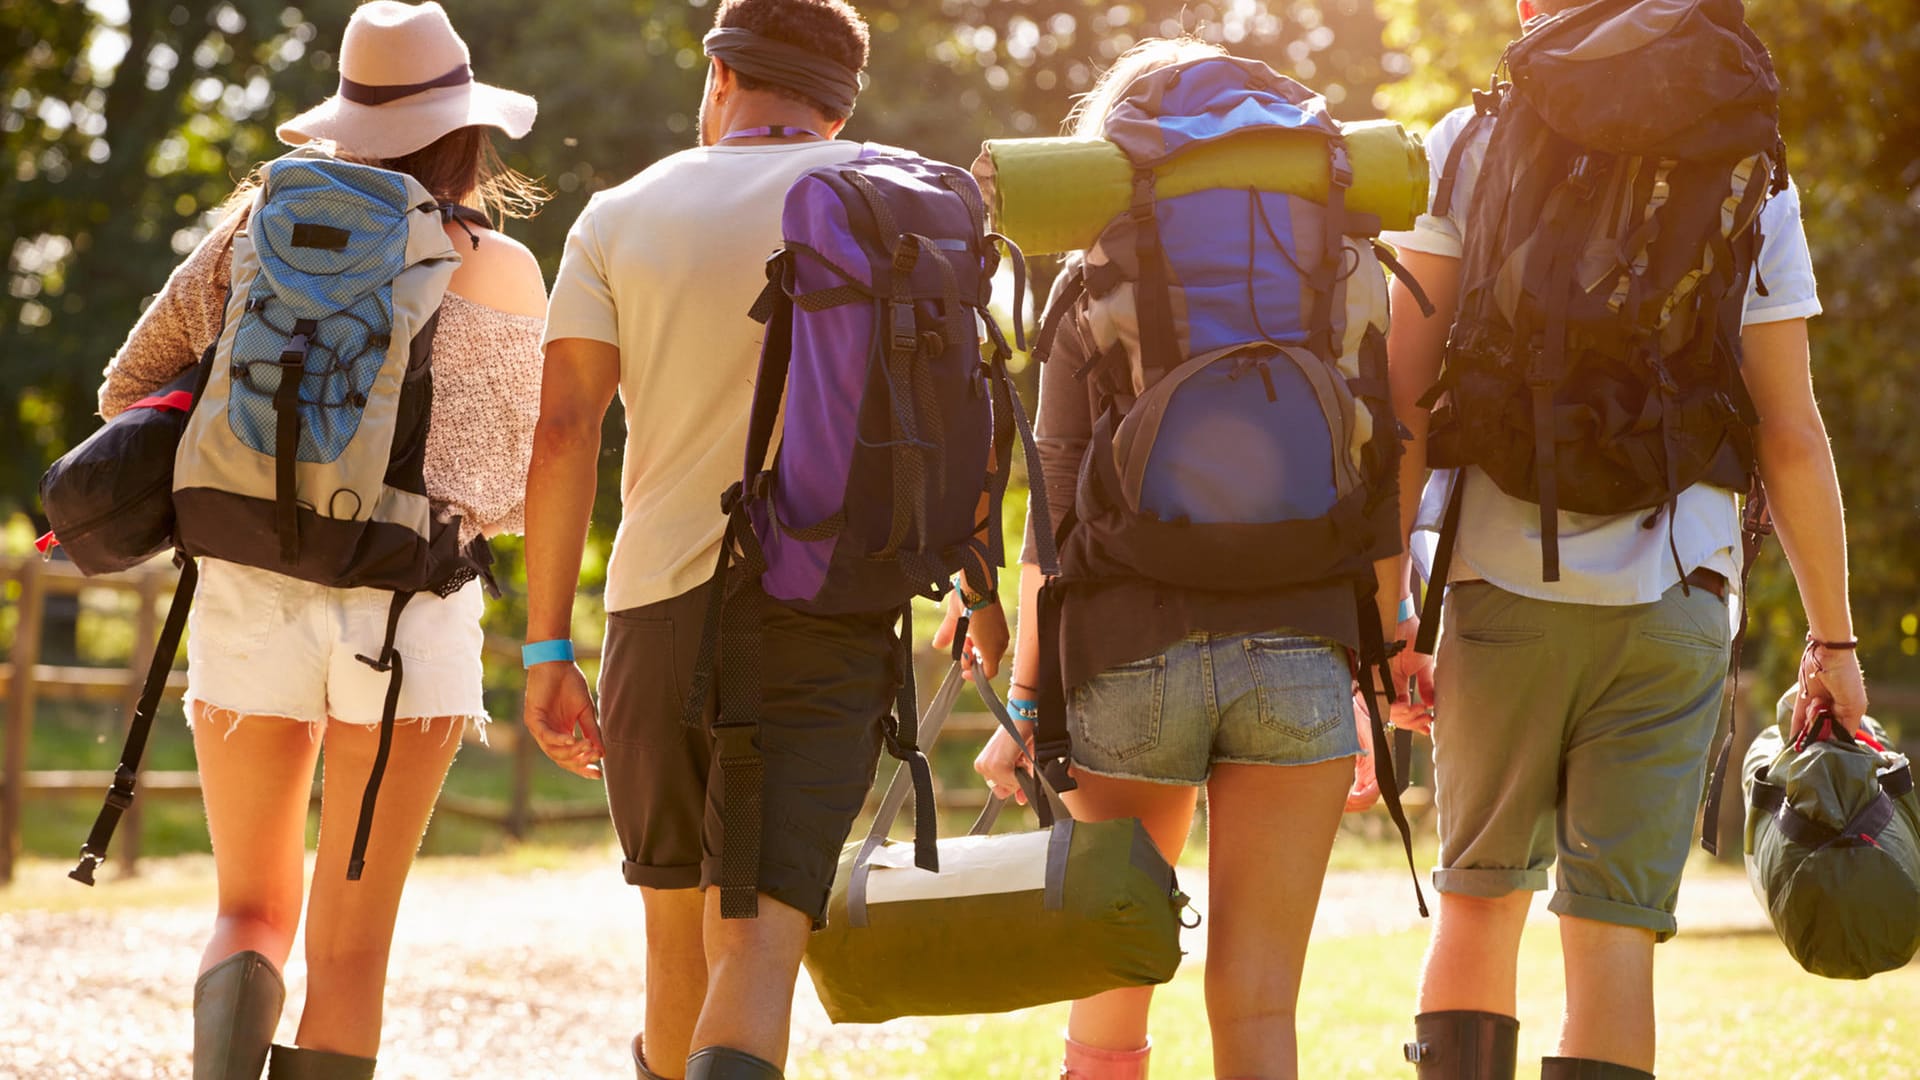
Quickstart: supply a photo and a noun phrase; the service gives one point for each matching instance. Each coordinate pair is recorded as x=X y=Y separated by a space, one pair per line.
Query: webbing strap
x=1062 y=308
x=1153 y=297
x=1543 y=378
x=126 y=775
x=1450 y=175
x=1326 y=276
x=900 y=732
x=1384 y=253
x=389 y=662
x=1868 y=824
x=1375 y=673
x=1442 y=563
x=1756 y=525
x=737 y=619
x=286 y=409
x=1052 y=745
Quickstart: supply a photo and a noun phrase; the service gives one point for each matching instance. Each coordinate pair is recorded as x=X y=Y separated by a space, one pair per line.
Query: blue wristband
x=546 y=652
x=1024 y=708
x=1407 y=610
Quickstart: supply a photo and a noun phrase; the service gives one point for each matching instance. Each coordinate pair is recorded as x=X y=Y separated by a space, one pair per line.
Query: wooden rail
x=152 y=586
x=516 y=816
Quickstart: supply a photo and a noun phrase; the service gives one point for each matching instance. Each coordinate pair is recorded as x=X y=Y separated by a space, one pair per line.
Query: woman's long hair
x=1089 y=116
x=460 y=168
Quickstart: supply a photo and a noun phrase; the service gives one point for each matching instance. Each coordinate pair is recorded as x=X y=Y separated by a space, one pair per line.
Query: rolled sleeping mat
x=1055 y=195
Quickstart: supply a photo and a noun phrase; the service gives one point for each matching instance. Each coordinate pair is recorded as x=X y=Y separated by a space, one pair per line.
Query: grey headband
x=787 y=66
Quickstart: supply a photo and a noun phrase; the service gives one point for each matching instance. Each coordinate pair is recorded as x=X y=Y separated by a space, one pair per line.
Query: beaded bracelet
x=1024 y=708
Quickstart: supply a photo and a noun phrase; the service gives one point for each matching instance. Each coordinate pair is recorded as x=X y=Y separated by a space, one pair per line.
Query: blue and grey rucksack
x=1235 y=338
x=303 y=449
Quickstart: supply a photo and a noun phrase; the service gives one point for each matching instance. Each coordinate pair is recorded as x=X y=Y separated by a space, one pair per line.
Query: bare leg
x=751 y=968
x=1476 y=948
x=1117 y=1019
x=1609 y=993
x=350 y=923
x=1271 y=830
x=255 y=775
x=676 y=976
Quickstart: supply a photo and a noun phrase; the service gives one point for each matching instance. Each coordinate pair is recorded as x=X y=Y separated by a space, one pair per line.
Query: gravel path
x=496 y=973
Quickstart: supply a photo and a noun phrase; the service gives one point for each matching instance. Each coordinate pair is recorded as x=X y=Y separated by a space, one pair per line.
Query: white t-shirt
x=666 y=266
x=1604 y=559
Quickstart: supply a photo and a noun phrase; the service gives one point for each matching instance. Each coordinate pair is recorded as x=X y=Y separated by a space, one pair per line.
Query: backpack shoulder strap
x=1486 y=106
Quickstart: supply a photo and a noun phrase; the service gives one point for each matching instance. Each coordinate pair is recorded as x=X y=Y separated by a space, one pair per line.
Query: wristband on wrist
x=1407 y=610
x=969 y=599
x=546 y=652
x=1024 y=708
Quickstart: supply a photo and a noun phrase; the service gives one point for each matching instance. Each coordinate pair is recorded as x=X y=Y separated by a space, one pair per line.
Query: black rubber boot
x=1559 y=1068
x=1464 y=1045
x=640 y=1069
x=721 y=1063
x=236 y=1006
x=294 y=1063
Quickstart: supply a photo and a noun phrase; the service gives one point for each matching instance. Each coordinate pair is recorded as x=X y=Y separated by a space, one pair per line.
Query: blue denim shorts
x=1249 y=699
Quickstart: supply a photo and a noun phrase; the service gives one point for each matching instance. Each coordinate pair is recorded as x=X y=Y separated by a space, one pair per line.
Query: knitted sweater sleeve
x=486 y=400
x=176 y=327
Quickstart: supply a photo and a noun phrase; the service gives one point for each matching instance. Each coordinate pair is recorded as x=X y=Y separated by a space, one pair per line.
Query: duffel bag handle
x=1046 y=804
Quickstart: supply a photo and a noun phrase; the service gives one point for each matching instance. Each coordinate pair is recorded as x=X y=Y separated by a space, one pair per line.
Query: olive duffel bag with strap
x=1009 y=921
x=1833 y=845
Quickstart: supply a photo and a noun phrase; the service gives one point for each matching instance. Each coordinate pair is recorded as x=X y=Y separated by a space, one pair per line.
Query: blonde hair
x=1089 y=116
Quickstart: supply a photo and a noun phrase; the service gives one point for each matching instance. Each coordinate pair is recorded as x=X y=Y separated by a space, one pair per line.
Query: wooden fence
x=152 y=587
x=516 y=816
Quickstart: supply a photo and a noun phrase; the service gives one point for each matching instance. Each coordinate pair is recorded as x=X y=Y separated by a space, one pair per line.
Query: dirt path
x=498 y=972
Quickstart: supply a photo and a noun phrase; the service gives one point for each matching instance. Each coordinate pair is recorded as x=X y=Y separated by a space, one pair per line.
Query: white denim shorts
x=264 y=644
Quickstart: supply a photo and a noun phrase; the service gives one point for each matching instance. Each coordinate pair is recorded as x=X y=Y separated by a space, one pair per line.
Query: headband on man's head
x=787 y=66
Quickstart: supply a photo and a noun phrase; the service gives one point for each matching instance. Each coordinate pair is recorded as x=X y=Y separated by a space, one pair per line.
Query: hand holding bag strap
x=1041 y=794
x=1053 y=814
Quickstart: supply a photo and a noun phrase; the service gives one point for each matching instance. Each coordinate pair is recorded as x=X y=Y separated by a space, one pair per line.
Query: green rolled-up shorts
x=1577 y=736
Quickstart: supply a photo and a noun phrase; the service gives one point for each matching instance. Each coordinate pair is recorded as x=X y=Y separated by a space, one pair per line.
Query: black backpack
x=1594 y=365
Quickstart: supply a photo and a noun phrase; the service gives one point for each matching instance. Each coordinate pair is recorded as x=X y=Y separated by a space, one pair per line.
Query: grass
x=1730 y=1006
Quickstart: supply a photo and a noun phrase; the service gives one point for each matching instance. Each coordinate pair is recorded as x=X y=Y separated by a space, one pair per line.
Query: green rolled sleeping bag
x=1055 y=195
x=1833 y=846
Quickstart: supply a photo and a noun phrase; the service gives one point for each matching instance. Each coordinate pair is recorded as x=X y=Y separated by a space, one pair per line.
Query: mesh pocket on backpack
x=343 y=360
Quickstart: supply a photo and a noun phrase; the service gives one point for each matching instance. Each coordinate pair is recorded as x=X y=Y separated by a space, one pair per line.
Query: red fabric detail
x=178 y=401
x=46 y=543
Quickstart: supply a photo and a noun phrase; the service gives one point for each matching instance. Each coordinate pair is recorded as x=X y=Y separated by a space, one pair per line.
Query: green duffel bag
x=1009 y=921
x=1833 y=846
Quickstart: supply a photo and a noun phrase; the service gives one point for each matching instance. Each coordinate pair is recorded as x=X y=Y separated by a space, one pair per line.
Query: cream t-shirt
x=666 y=266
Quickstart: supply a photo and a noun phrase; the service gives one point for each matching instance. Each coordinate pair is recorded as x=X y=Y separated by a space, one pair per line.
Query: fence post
x=520 y=799
x=25 y=657
x=146 y=634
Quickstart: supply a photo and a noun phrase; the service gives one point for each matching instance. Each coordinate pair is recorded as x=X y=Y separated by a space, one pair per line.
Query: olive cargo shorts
x=1577 y=731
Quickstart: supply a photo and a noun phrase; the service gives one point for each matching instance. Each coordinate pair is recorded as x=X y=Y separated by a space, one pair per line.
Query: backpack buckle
x=903 y=327
x=906 y=255
x=1581 y=176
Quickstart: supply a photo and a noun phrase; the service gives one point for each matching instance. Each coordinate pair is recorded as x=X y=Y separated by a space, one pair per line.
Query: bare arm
x=578 y=385
x=1415 y=345
x=1796 y=467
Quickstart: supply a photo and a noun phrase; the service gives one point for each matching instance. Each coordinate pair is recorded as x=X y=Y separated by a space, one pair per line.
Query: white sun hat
x=406 y=79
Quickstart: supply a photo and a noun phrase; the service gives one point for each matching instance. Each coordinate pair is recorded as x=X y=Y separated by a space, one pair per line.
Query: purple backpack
x=895 y=422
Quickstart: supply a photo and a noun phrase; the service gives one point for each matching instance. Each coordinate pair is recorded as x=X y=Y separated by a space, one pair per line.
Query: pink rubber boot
x=1092 y=1063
